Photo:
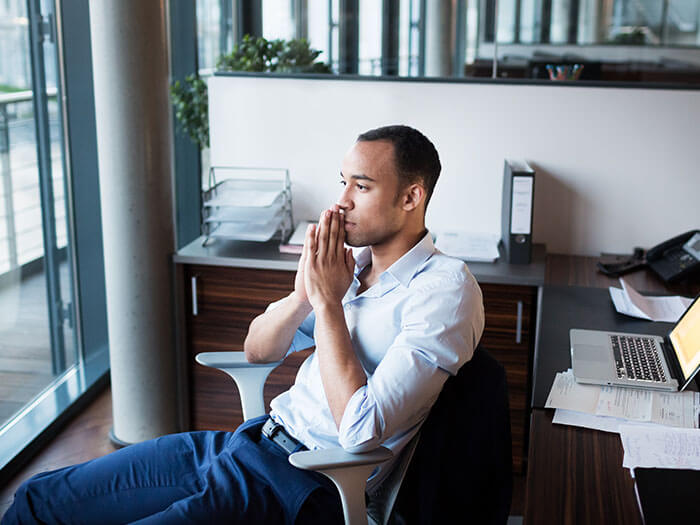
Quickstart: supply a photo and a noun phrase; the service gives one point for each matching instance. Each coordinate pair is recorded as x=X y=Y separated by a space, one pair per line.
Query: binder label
x=521 y=211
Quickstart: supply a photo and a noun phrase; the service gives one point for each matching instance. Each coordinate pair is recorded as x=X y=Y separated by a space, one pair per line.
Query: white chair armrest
x=337 y=457
x=230 y=360
x=349 y=473
x=249 y=377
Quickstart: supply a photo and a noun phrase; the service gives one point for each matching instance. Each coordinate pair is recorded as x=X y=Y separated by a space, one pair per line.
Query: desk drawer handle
x=519 y=324
x=195 y=309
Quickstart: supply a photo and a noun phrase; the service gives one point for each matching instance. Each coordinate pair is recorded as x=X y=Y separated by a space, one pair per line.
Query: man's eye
x=361 y=187
x=342 y=182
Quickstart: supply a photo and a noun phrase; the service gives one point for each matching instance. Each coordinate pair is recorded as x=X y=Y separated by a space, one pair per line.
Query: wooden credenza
x=220 y=300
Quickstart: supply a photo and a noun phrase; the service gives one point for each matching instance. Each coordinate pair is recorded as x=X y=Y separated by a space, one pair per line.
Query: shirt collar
x=407 y=265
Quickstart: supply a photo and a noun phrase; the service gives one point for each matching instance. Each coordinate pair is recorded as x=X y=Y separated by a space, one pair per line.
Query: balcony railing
x=21 y=232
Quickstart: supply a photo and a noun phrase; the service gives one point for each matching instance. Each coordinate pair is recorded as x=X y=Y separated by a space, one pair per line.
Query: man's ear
x=413 y=195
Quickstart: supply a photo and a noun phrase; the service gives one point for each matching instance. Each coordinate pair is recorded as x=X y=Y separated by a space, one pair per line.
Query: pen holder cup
x=564 y=71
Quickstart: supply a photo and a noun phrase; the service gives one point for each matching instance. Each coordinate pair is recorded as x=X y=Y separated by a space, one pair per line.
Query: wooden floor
x=87 y=437
x=84 y=438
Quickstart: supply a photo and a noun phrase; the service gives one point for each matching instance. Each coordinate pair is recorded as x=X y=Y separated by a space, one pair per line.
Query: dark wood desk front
x=575 y=475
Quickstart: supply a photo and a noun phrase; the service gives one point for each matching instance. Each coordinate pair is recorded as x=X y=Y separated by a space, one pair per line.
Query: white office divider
x=130 y=64
x=595 y=149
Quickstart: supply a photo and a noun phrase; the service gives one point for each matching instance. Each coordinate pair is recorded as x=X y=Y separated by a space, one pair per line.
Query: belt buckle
x=271 y=432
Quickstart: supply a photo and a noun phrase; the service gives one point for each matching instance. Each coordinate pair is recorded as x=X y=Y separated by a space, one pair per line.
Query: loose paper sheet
x=581 y=419
x=568 y=394
x=678 y=409
x=469 y=246
x=626 y=403
x=660 y=447
x=630 y=302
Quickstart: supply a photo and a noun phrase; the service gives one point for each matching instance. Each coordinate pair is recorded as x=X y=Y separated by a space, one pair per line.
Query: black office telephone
x=676 y=258
x=672 y=260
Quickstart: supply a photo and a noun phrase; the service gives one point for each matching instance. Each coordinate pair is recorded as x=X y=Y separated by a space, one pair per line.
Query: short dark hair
x=415 y=156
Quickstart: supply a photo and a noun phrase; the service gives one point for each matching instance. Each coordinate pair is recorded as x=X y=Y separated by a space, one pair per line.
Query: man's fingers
x=312 y=239
x=308 y=237
x=341 y=235
x=310 y=245
x=333 y=234
x=322 y=237
x=350 y=260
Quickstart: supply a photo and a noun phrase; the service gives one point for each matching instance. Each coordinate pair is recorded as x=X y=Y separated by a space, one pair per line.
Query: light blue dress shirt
x=412 y=329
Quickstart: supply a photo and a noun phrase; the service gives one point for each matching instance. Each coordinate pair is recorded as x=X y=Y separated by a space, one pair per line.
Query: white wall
x=594 y=149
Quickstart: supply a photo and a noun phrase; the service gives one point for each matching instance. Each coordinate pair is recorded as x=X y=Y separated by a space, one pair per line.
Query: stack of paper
x=629 y=301
x=468 y=246
x=607 y=407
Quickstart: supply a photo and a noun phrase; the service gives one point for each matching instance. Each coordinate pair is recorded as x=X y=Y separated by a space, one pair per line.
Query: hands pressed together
x=326 y=267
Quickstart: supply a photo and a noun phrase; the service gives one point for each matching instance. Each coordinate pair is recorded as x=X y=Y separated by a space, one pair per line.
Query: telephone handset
x=672 y=260
x=676 y=258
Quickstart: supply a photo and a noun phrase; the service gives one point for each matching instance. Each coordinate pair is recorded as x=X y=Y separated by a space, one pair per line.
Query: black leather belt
x=277 y=433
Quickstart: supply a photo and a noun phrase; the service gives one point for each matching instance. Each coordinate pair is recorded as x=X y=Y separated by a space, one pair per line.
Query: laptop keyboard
x=637 y=358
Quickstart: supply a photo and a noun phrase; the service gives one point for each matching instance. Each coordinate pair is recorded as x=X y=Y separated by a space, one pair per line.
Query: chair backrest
x=463 y=464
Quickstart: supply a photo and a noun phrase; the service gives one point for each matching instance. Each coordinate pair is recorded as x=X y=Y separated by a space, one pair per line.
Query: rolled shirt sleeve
x=441 y=324
x=304 y=336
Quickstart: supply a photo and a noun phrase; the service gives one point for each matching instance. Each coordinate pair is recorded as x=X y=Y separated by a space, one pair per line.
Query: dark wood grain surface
x=574 y=270
x=228 y=299
x=500 y=338
x=575 y=476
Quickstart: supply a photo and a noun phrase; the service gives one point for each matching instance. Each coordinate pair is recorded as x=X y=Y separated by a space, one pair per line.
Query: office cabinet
x=221 y=301
x=509 y=336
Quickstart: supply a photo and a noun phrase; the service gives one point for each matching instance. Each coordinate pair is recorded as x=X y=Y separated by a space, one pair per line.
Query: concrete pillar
x=134 y=142
x=439 y=38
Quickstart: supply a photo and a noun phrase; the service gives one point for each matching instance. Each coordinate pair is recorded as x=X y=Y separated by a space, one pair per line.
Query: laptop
x=639 y=360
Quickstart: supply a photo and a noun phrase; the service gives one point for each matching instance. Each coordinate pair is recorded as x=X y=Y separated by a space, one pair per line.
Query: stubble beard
x=369 y=237
x=360 y=239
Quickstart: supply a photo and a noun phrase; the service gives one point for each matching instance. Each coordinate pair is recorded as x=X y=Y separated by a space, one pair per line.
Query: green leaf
x=190 y=97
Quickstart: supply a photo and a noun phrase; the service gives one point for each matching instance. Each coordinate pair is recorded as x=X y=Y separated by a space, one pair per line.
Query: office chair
x=463 y=464
x=459 y=464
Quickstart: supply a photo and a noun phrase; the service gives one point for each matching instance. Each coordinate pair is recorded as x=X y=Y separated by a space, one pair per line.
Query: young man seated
x=388 y=328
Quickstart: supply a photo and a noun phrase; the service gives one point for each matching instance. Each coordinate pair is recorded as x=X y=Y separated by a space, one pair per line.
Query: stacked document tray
x=247 y=204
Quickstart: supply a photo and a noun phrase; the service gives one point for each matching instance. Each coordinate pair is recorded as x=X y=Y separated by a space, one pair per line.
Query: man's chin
x=354 y=244
x=354 y=240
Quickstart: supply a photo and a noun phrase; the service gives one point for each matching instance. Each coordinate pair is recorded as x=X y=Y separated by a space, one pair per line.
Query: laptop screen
x=685 y=338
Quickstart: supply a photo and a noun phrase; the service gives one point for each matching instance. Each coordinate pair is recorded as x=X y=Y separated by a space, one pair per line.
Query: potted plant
x=190 y=97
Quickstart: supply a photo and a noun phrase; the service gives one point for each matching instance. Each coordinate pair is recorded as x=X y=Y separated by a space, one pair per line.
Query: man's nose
x=344 y=202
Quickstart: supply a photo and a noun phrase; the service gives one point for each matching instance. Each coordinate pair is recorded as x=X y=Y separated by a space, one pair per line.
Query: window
x=50 y=354
x=35 y=261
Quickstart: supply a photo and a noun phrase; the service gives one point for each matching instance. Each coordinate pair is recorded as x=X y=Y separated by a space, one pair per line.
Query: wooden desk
x=575 y=475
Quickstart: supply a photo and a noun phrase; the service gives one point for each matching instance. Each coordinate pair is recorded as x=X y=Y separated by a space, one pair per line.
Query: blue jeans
x=195 y=477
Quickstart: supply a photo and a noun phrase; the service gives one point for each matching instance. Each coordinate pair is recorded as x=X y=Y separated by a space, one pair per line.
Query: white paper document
x=581 y=419
x=660 y=447
x=677 y=409
x=629 y=301
x=567 y=393
x=469 y=246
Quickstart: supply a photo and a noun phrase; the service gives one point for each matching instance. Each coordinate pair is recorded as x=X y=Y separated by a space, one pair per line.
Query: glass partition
x=628 y=41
